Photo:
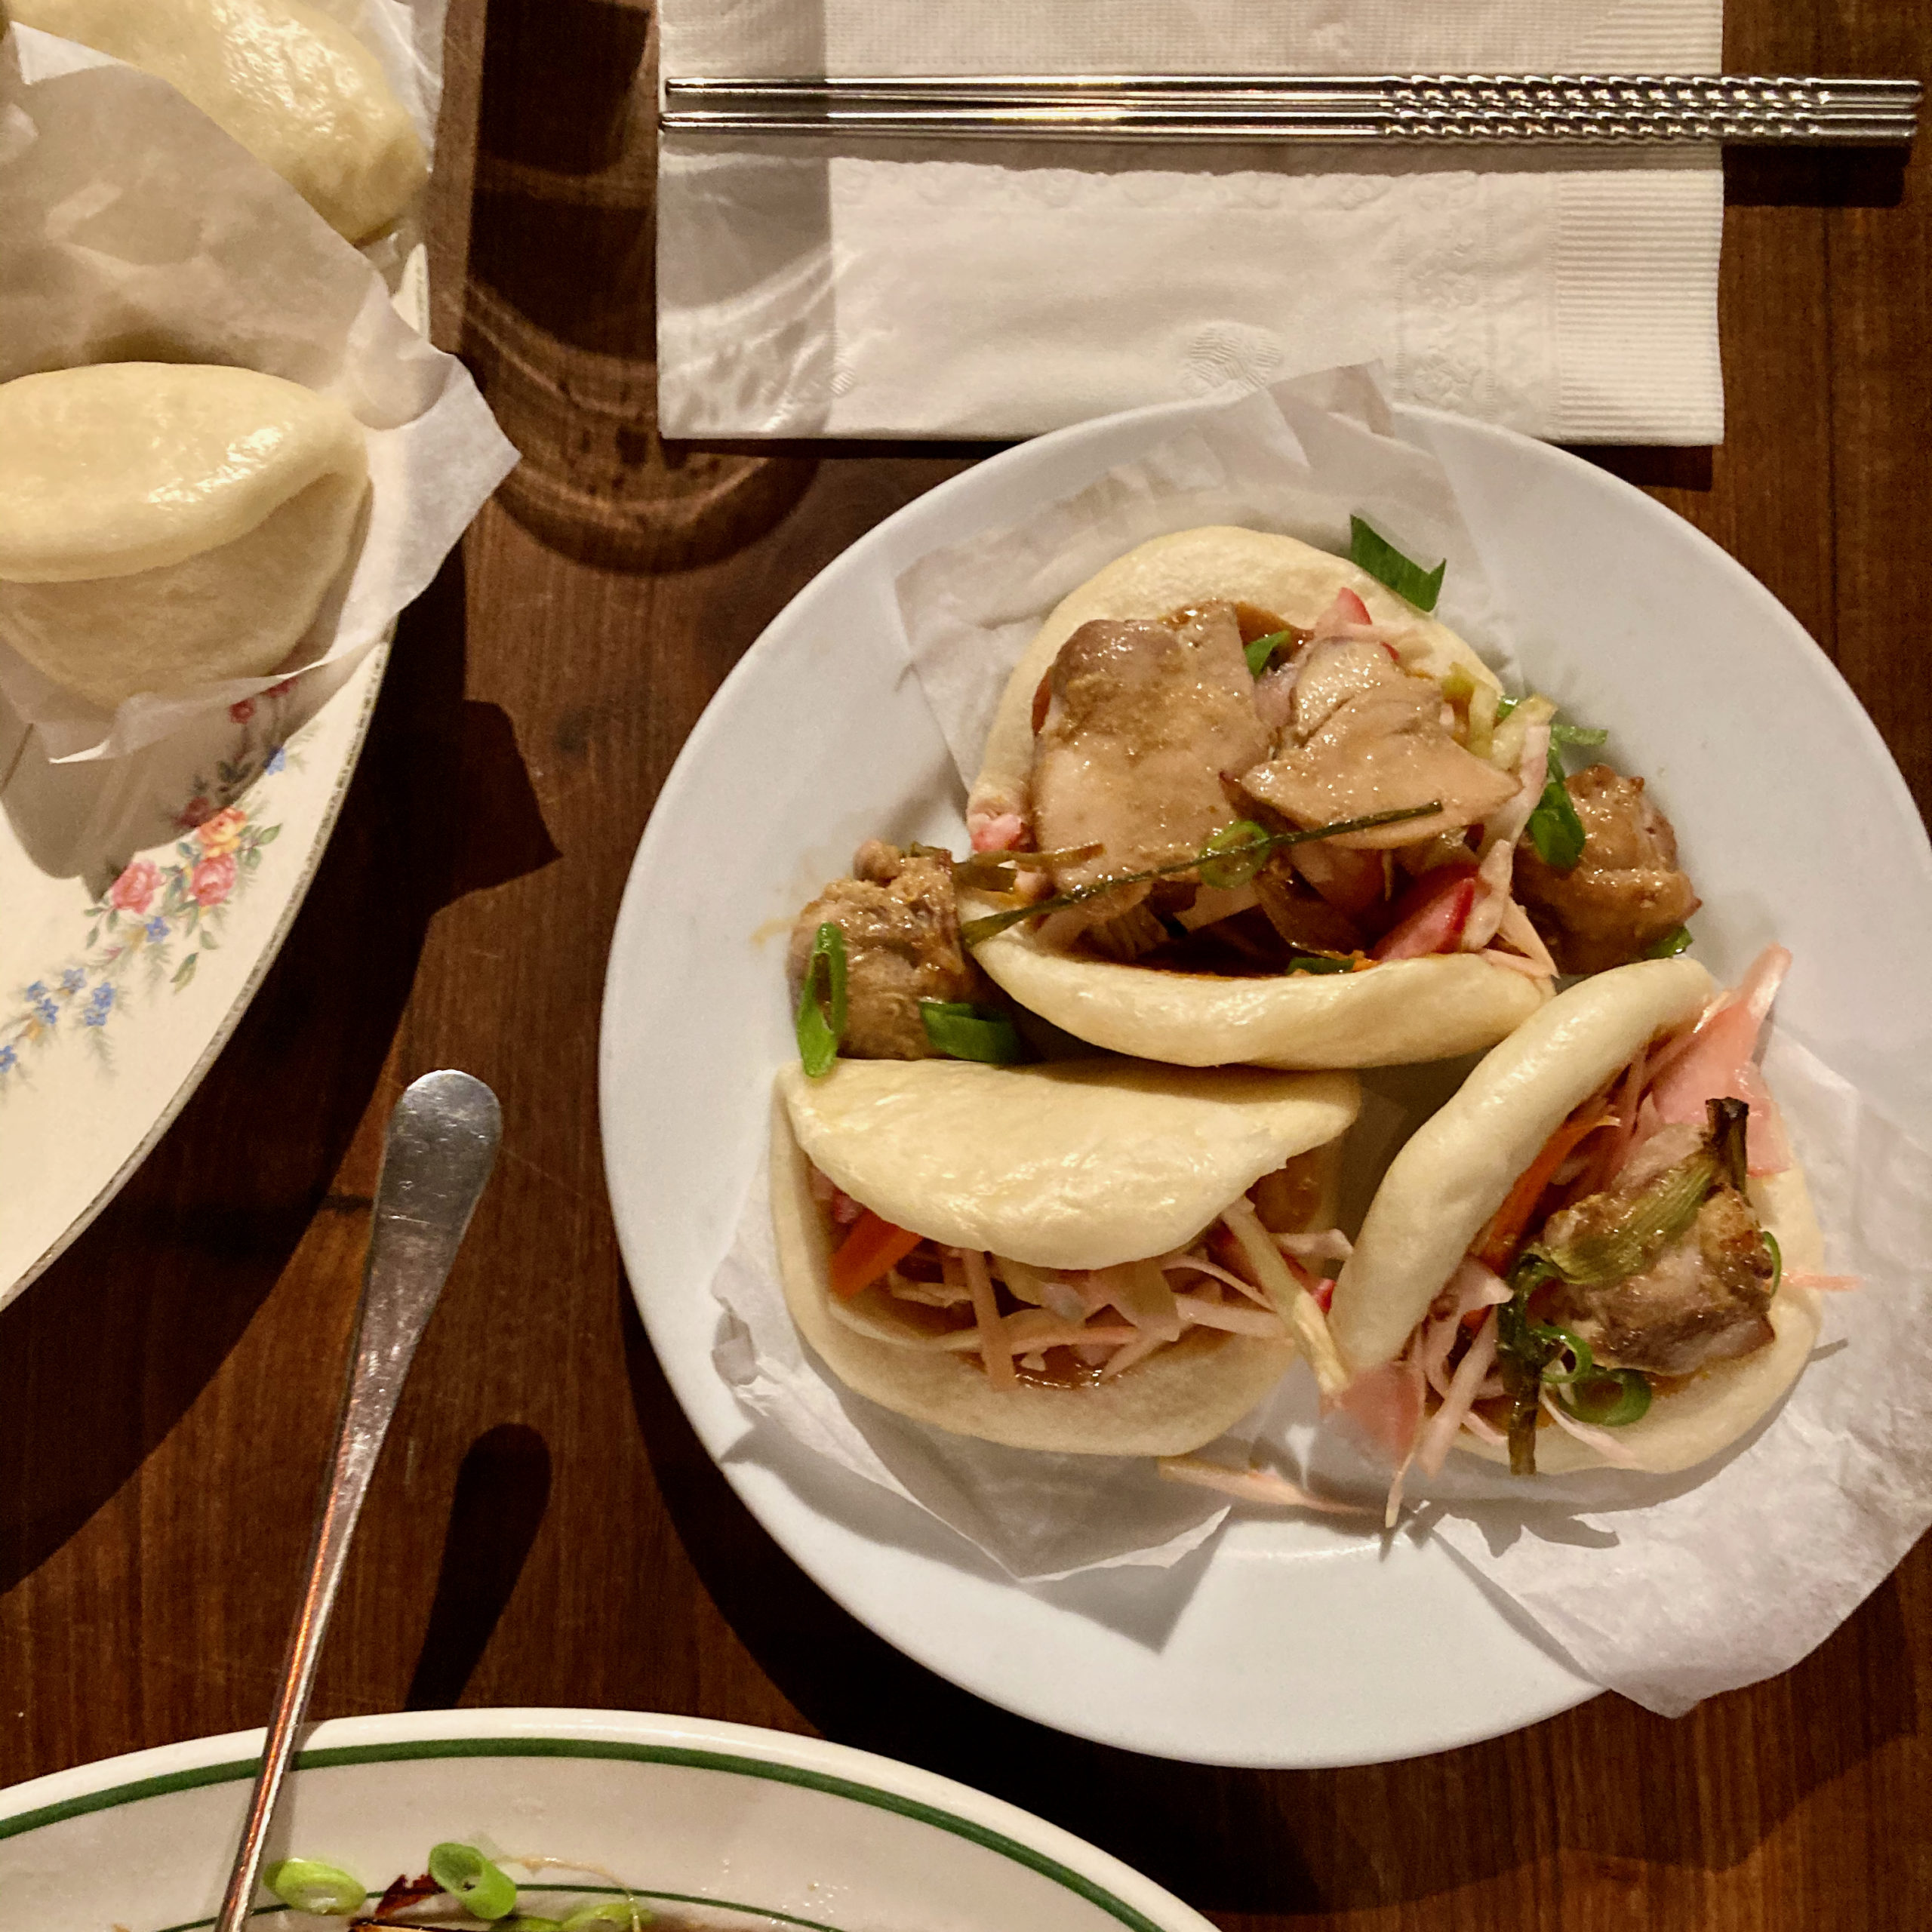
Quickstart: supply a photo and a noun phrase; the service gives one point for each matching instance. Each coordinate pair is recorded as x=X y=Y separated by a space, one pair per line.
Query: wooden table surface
x=544 y=1528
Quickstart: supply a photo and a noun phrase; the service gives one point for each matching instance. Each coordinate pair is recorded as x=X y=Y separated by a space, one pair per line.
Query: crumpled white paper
x=1668 y=1590
x=132 y=228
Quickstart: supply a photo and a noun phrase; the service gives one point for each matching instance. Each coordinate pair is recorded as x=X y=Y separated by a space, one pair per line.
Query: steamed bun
x=293 y=86
x=164 y=525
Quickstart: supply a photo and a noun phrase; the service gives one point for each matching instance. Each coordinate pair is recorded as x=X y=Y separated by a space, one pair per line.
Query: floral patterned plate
x=142 y=902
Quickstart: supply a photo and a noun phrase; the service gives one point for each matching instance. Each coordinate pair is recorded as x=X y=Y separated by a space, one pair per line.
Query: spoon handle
x=440 y=1146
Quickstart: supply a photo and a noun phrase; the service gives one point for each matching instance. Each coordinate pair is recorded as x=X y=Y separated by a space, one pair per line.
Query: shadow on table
x=1244 y=1841
x=109 y=1349
x=561 y=321
x=503 y=1487
x=1814 y=177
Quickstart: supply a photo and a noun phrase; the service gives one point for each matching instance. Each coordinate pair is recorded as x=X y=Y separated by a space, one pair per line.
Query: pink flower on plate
x=135 y=889
x=242 y=710
x=212 y=880
x=223 y=832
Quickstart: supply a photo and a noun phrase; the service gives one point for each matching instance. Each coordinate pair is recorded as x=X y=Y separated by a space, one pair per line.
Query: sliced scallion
x=820 y=1022
x=306 y=1884
x=1642 y=1232
x=1612 y=1399
x=1589 y=736
x=1376 y=555
x=625 y=1911
x=1555 y=829
x=483 y=1890
x=1677 y=940
x=1241 y=863
x=996 y=871
x=1262 y=648
x=962 y=1031
x=1321 y=962
x=1777 y=1258
x=976 y=932
x=1571 y=1348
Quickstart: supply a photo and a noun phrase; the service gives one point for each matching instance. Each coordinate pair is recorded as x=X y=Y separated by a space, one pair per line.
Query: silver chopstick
x=1588 y=109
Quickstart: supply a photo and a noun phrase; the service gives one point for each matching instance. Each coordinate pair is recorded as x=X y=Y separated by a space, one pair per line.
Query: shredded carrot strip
x=1504 y=1234
x=996 y=1350
x=875 y=1246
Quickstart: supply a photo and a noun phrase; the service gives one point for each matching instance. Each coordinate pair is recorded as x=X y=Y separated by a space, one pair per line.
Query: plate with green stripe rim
x=712 y=1826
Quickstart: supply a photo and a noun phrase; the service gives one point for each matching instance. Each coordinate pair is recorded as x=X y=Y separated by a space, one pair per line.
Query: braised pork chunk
x=901 y=927
x=1626 y=892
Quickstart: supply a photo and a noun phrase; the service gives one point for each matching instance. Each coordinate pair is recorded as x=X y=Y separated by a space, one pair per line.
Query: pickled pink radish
x=1386 y=1403
x=1718 y=1064
x=1005 y=832
x=1430 y=916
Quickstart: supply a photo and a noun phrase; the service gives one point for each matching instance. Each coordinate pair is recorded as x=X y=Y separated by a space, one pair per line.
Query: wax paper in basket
x=134 y=228
x=1666 y=1589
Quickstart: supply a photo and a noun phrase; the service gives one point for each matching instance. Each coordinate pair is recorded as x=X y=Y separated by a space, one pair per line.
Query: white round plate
x=713 y=1826
x=1287 y=1643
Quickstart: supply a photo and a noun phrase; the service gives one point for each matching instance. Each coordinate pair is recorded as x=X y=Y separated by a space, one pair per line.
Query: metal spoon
x=440 y=1146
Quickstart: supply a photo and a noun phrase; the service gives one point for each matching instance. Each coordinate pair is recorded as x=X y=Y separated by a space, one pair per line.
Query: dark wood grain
x=170 y=1383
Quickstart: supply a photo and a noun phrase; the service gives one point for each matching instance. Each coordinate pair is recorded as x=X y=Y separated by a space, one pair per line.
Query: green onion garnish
x=976 y=932
x=1504 y=705
x=625 y=1911
x=820 y=1023
x=1612 y=1399
x=1387 y=564
x=1677 y=940
x=1588 y=736
x=1555 y=829
x=962 y=1031
x=1569 y=1347
x=1777 y=1258
x=1262 y=648
x=1321 y=962
x=1241 y=864
x=996 y=871
x=481 y=1889
x=1642 y=1230
x=306 y=1884
x=1523 y=1351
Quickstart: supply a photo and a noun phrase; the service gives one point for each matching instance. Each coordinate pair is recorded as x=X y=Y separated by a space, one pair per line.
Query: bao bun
x=163 y=525
x=1390 y=1014
x=293 y=86
x=1084 y=1164
x=1457 y=1167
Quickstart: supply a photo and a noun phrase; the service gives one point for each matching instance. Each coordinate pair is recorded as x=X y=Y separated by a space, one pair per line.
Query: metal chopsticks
x=1592 y=110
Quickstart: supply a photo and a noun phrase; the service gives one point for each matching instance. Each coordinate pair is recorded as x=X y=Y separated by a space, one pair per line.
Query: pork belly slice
x=1368 y=737
x=1142 y=720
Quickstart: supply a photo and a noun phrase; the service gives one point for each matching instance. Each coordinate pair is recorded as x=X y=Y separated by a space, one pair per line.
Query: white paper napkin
x=1667 y=1589
x=996 y=290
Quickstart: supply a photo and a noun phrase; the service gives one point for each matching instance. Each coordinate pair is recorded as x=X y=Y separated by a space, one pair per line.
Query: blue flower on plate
x=157 y=929
x=73 y=979
x=275 y=760
x=9 y=1059
x=45 y=1010
x=100 y=1003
